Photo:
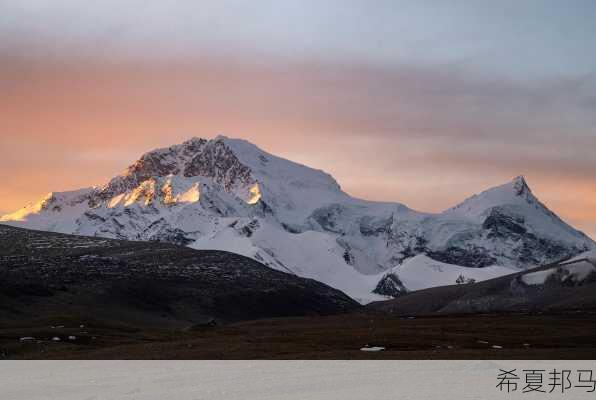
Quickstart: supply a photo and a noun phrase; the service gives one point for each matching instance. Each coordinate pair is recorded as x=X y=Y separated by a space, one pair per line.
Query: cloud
x=406 y=133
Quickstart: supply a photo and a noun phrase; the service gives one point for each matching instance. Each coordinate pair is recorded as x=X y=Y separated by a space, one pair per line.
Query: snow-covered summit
x=514 y=206
x=290 y=189
x=228 y=194
x=268 y=166
x=239 y=167
x=513 y=193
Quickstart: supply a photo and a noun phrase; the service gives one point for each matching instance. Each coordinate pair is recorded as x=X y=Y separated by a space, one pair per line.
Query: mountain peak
x=515 y=192
x=195 y=140
x=520 y=186
x=194 y=158
x=239 y=167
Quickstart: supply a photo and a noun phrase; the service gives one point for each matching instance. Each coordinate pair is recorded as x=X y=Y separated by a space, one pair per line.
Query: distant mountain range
x=227 y=194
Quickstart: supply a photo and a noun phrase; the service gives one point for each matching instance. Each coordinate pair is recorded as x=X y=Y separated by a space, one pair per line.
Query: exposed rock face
x=473 y=257
x=194 y=158
x=329 y=218
x=390 y=285
x=500 y=225
x=217 y=161
x=228 y=194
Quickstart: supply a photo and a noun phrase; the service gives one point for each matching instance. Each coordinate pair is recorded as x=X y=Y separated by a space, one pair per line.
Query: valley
x=482 y=336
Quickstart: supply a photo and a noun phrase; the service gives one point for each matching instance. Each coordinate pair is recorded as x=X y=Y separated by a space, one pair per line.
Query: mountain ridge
x=228 y=194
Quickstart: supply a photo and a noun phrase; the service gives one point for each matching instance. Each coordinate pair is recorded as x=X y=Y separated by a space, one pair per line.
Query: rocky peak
x=195 y=157
x=520 y=186
x=515 y=192
x=216 y=160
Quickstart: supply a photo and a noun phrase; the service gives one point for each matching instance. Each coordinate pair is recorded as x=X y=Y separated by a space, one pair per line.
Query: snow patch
x=421 y=272
x=373 y=348
x=538 y=277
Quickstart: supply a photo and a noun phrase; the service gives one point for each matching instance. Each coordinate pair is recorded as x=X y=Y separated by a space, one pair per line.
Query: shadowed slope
x=146 y=283
x=555 y=287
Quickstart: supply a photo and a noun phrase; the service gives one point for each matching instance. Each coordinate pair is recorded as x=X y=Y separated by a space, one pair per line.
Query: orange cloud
x=422 y=137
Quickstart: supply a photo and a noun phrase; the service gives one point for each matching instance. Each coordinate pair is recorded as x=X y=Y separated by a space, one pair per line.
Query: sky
x=421 y=102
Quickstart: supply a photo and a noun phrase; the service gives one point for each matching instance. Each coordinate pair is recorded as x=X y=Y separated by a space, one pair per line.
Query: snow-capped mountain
x=227 y=194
